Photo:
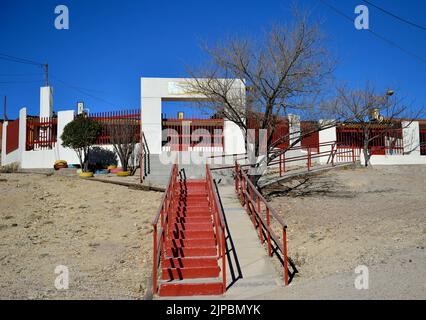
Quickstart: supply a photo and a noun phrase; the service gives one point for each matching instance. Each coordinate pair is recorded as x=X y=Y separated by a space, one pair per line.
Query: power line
x=395 y=16
x=11 y=58
x=82 y=91
x=389 y=42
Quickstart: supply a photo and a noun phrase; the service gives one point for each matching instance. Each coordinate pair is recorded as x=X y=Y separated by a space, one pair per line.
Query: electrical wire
x=413 y=24
x=389 y=42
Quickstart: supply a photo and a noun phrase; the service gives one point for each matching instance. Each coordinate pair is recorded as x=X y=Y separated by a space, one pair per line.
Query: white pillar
x=67 y=154
x=326 y=135
x=46 y=102
x=151 y=123
x=294 y=129
x=411 y=137
x=22 y=133
x=234 y=138
x=3 y=143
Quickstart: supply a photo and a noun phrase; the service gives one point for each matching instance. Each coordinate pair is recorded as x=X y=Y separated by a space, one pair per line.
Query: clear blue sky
x=111 y=44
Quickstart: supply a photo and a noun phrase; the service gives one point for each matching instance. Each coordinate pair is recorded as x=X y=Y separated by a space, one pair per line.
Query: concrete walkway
x=250 y=272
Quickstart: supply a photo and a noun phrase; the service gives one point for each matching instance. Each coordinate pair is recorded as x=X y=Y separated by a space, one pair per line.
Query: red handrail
x=159 y=238
x=261 y=217
x=219 y=222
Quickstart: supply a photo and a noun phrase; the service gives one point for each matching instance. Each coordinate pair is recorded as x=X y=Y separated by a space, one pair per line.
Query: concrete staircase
x=190 y=266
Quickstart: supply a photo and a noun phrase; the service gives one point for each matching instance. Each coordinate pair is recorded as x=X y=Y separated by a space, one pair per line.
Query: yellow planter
x=86 y=174
x=111 y=167
x=123 y=173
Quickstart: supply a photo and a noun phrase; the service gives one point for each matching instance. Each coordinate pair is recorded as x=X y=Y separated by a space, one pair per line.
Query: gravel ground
x=344 y=218
x=101 y=232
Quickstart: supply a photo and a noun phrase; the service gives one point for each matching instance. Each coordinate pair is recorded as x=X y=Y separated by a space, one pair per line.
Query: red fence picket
x=110 y=118
x=41 y=133
x=12 y=136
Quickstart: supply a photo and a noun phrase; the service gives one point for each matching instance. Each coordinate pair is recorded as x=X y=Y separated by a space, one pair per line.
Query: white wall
x=411 y=137
x=326 y=135
x=3 y=144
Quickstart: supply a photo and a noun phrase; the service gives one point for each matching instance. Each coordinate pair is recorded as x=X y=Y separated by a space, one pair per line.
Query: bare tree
x=124 y=133
x=377 y=116
x=283 y=72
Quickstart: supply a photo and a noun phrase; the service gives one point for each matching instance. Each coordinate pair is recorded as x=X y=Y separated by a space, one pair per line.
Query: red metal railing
x=261 y=214
x=334 y=155
x=423 y=139
x=159 y=234
x=219 y=222
x=111 y=118
x=190 y=133
x=41 y=133
x=12 y=136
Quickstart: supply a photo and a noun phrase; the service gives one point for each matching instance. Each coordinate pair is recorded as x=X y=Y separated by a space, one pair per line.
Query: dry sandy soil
x=101 y=232
x=345 y=218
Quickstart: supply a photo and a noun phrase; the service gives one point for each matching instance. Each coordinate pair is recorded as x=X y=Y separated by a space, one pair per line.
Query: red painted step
x=190 y=273
x=191 y=234
x=190 y=289
x=191 y=252
x=191 y=219
x=190 y=226
x=190 y=262
x=191 y=266
x=188 y=243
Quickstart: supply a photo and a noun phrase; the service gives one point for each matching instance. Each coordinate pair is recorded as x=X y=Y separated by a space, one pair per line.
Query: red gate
x=41 y=133
x=189 y=134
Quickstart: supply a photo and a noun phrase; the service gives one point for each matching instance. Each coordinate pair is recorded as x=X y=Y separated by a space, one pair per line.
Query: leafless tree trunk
x=124 y=137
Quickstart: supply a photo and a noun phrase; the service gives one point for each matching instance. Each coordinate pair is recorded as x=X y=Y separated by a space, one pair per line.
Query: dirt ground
x=101 y=232
x=345 y=218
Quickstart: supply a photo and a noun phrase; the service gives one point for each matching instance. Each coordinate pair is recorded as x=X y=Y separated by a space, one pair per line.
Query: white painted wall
x=411 y=137
x=326 y=135
x=234 y=138
x=294 y=129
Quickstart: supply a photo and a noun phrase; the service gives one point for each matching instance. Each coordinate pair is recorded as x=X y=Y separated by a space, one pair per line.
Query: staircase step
x=191 y=226
x=191 y=219
x=189 y=262
x=191 y=252
x=190 y=273
x=188 y=243
x=192 y=214
x=191 y=234
x=190 y=289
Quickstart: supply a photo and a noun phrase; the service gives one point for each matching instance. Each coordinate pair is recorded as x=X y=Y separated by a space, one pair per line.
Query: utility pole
x=46 y=74
x=4 y=109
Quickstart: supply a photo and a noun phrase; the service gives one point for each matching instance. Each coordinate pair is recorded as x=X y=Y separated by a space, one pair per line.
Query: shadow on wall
x=102 y=158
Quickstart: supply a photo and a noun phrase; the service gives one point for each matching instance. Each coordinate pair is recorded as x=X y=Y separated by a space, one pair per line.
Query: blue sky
x=111 y=44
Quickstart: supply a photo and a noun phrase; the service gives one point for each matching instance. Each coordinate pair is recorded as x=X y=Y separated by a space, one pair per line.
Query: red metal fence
x=183 y=134
x=423 y=139
x=112 y=118
x=12 y=136
x=281 y=129
x=41 y=133
x=384 y=140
